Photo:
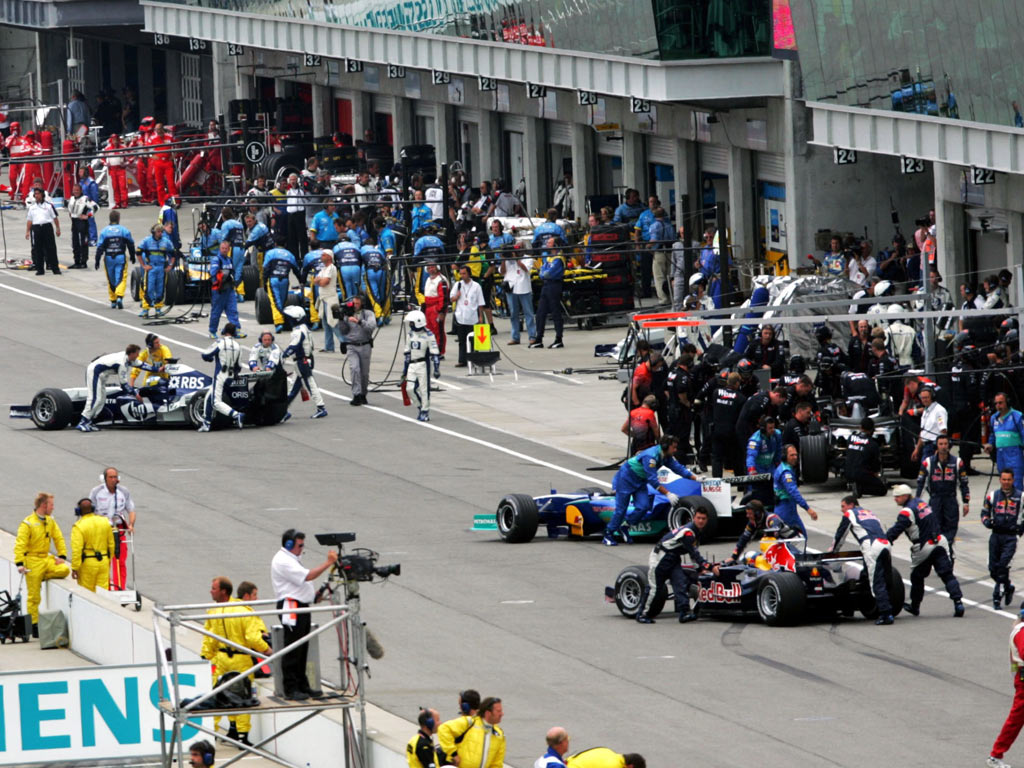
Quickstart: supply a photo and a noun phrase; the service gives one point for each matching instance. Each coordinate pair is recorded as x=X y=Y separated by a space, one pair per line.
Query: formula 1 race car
x=261 y=395
x=781 y=583
x=586 y=512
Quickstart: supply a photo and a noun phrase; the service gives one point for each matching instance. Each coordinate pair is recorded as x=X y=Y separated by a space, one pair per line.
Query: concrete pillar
x=794 y=150
x=634 y=163
x=323 y=121
x=446 y=134
x=950 y=251
x=535 y=155
x=1014 y=242
x=584 y=178
x=741 y=203
x=145 y=94
x=402 y=124
x=490 y=147
x=688 y=191
x=362 y=114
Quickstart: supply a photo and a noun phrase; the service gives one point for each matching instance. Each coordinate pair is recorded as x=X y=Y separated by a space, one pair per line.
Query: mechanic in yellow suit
x=483 y=746
x=92 y=544
x=32 y=553
x=157 y=353
x=451 y=732
x=602 y=757
x=246 y=631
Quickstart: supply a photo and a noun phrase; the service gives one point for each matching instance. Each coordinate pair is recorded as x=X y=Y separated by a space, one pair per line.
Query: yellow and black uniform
x=449 y=737
x=92 y=544
x=157 y=358
x=246 y=632
x=598 y=757
x=483 y=746
x=419 y=752
x=32 y=550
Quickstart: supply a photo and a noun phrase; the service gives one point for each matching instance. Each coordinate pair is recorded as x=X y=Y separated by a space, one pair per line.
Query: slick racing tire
x=781 y=599
x=897 y=595
x=52 y=409
x=250 y=281
x=135 y=284
x=814 y=459
x=174 y=288
x=517 y=518
x=629 y=591
x=196 y=408
x=264 y=315
x=683 y=513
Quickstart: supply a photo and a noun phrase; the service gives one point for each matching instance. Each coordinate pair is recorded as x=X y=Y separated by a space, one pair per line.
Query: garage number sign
x=255 y=151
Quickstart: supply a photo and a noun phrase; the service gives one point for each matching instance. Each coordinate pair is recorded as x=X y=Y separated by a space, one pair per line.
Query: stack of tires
x=611 y=249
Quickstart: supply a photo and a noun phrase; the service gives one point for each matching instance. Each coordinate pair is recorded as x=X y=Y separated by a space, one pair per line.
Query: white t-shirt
x=288 y=577
x=933 y=422
x=116 y=506
x=518 y=278
x=468 y=300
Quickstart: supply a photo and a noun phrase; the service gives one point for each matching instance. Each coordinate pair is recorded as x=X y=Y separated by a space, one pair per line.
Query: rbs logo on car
x=187 y=382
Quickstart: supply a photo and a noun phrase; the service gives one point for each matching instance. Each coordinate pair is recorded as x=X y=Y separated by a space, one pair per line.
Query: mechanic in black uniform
x=864 y=461
x=677 y=396
x=799 y=426
x=965 y=415
x=703 y=377
x=828 y=349
x=726 y=445
x=766 y=352
x=827 y=383
x=762 y=404
x=801 y=390
x=665 y=564
x=928 y=549
x=1000 y=513
x=420 y=751
x=942 y=472
x=885 y=371
x=858 y=351
x=749 y=383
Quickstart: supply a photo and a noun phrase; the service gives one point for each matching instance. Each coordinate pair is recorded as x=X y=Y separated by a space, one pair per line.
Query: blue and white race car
x=261 y=395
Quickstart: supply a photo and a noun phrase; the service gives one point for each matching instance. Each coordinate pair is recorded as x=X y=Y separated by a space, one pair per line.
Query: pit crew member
x=113 y=501
x=875 y=548
x=265 y=354
x=278 y=265
x=484 y=742
x=665 y=564
x=92 y=545
x=756 y=522
x=232 y=231
x=863 y=465
x=764 y=452
x=115 y=246
x=419 y=752
x=226 y=355
x=156 y=253
x=420 y=348
x=632 y=480
x=934 y=421
x=300 y=346
x=558 y=744
x=106 y=369
x=349 y=262
x=1006 y=438
x=32 y=553
x=359 y=339
x=1000 y=513
x=602 y=757
x=942 y=472
x=450 y=732
x=928 y=549
x=435 y=302
x=222 y=290
x=1014 y=720
x=787 y=494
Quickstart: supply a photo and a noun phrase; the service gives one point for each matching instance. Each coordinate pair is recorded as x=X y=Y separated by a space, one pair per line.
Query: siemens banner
x=88 y=713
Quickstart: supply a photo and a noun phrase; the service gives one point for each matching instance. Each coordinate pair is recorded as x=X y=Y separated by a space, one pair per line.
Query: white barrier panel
x=87 y=713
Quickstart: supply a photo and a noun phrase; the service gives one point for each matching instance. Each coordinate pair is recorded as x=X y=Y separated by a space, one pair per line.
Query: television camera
x=361 y=563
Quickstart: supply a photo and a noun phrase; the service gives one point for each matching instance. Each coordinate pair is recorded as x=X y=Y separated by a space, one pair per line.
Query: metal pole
x=721 y=222
x=929 y=323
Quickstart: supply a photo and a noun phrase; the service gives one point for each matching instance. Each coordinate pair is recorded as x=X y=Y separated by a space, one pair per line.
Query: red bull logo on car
x=779 y=557
x=719 y=593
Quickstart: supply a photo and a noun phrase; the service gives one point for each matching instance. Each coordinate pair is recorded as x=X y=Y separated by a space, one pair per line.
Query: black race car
x=783 y=584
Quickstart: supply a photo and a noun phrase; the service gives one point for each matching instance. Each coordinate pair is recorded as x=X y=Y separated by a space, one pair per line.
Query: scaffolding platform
x=269 y=704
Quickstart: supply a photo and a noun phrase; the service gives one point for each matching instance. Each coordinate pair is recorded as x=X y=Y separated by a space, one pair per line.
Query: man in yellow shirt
x=32 y=553
x=483 y=746
x=157 y=353
x=92 y=544
x=451 y=732
x=246 y=631
x=602 y=757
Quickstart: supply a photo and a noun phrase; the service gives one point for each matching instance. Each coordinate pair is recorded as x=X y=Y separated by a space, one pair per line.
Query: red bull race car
x=585 y=512
x=781 y=583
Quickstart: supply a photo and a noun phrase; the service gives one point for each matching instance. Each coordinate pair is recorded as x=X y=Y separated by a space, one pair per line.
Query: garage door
x=714 y=159
x=771 y=167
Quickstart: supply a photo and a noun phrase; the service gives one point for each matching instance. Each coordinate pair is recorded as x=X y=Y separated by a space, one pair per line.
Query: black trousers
x=550 y=304
x=298 y=237
x=44 y=249
x=80 y=241
x=723 y=453
x=462 y=332
x=293 y=664
x=870 y=485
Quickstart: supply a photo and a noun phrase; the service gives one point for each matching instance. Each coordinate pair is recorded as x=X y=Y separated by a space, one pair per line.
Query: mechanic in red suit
x=142 y=172
x=32 y=171
x=161 y=166
x=435 y=304
x=114 y=159
x=1015 y=719
x=13 y=144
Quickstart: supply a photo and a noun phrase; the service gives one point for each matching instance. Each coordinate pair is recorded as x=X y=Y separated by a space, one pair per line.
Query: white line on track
x=408 y=419
x=516 y=602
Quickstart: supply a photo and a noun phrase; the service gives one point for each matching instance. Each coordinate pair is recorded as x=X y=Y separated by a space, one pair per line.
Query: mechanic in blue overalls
x=1000 y=513
x=207 y=238
x=222 y=291
x=322 y=230
x=632 y=479
x=787 y=495
x=233 y=231
x=429 y=249
x=710 y=265
x=386 y=238
x=115 y=244
x=375 y=276
x=764 y=452
x=550 y=227
x=91 y=190
x=349 y=262
x=156 y=253
x=169 y=216
x=257 y=236
x=278 y=265
x=1006 y=438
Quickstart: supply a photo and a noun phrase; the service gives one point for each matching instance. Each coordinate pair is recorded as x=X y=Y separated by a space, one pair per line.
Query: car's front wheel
x=629 y=591
x=781 y=599
x=517 y=518
x=52 y=409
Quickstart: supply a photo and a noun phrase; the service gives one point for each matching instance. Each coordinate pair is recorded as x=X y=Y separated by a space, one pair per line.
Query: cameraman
x=293 y=588
x=361 y=325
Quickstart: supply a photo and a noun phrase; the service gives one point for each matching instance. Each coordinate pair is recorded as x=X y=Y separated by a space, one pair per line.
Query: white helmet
x=883 y=288
x=697 y=277
x=416 y=320
x=297 y=314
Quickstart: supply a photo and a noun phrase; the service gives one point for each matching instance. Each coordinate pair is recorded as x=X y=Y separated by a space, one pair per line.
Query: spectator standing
x=1015 y=719
x=468 y=298
x=659 y=235
x=77 y=111
x=505 y=203
x=677 y=270
x=558 y=744
x=862 y=265
x=296 y=200
x=629 y=211
x=483 y=746
x=41 y=223
x=552 y=272
x=293 y=588
x=80 y=208
x=114 y=502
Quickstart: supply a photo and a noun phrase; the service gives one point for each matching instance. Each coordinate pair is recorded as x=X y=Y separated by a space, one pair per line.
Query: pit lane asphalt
x=527 y=623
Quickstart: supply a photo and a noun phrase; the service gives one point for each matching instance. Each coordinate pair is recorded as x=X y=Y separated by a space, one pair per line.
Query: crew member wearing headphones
x=113 y=501
x=201 y=755
x=451 y=732
x=92 y=544
x=157 y=353
x=419 y=752
x=293 y=588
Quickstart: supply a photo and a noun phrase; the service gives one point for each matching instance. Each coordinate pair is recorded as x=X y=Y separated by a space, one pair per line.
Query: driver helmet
x=823 y=334
x=296 y=314
x=745 y=367
x=797 y=364
x=697 y=279
x=883 y=288
x=1009 y=324
x=416 y=320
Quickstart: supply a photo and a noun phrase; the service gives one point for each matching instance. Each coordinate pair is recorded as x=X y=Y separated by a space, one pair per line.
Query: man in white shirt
x=293 y=588
x=516 y=276
x=468 y=298
x=934 y=422
x=114 y=502
x=298 y=239
x=41 y=223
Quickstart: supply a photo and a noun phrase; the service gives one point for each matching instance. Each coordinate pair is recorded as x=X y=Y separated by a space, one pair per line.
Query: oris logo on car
x=186 y=382
x=719 y=593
